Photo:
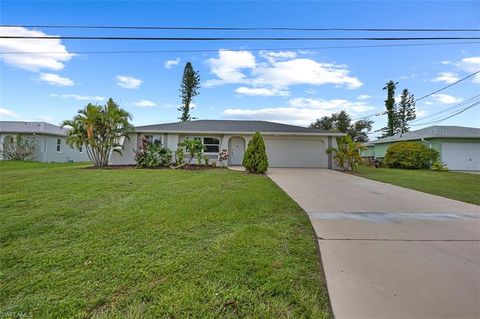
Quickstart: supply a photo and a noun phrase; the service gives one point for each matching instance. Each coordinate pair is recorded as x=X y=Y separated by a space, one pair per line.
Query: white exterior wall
x=282 y=150
x=128 y=152
x=47 y=149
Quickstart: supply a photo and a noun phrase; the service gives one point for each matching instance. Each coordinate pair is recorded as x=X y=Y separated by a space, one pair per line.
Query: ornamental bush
x=255 y=159
x=409 y=155
x=151 y=155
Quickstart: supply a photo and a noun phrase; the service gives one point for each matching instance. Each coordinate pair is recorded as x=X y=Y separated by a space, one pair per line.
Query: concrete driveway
x=388 y=251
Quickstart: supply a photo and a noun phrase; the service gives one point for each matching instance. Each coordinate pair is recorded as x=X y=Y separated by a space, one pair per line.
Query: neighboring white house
x=50 y=140
x=286 y=145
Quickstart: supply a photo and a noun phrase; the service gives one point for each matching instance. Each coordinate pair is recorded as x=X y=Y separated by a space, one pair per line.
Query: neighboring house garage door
x=295 y=152
x=461 y=156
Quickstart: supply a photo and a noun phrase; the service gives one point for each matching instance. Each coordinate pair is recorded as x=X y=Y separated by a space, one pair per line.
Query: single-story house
x=458 y=146
x=50 y=140
x=286 y=145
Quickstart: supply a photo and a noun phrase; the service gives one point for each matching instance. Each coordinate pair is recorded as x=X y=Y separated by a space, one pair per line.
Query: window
x=80 y=149
x=212 y=144
x=59 y=145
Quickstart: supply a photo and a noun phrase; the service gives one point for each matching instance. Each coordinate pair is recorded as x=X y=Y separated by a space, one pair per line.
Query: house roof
x=434 y=132
x=231 y=126
x=31 y=127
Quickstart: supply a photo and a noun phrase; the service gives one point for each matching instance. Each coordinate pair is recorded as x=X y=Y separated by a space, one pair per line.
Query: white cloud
x=144 y=103
x=55 y=79
x=7 y=113
x=446 y=99
x=281 y=70
x=33 y=54
x=170 y=63
x=79 y=97
x=445 y=62
x=364 y=97
x=261 y=91
x=471 y=64
x=45 y=118
x=299 y=111
x=304 y=71
x=275 y=56
x=128 y=82
x=227 y=67
x=447 y=77
x=421 y=113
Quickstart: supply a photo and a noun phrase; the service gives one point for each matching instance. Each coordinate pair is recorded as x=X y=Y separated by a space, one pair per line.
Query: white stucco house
x=50 y=140
x=286 y=145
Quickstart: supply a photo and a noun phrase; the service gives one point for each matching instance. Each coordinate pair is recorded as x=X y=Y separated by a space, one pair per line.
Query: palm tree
x=347 y=153
x=100 y=129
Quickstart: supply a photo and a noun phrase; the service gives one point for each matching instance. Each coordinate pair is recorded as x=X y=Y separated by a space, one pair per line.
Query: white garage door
x=296 y=153
x=461 y=156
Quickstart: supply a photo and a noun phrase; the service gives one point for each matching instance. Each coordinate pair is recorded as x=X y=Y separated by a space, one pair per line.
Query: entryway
x=236 y=150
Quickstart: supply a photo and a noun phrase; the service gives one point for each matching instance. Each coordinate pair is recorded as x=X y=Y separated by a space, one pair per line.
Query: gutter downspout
x=429 y=143
x=429 y=146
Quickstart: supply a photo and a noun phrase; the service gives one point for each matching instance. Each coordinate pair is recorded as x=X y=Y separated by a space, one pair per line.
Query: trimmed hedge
x=409 y=155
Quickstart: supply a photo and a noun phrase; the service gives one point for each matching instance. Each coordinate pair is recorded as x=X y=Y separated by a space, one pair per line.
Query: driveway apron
x=388 y=251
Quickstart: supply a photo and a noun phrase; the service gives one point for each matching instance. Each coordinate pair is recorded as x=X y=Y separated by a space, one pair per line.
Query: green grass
x=460 y=186
x=86 y=243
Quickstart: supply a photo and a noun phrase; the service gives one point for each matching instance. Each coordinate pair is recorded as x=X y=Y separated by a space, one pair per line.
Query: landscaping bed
x=79 y=243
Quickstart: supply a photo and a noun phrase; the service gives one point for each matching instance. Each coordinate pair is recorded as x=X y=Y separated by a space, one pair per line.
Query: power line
x=452 y=108
x=449 y=116
x=446 y=87
x=246 y=49
x=116 y=38
x=210 y=28
x=425 y=96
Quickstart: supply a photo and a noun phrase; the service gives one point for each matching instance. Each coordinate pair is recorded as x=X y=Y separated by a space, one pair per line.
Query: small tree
x=23 y=148
x=100 y=129
x=342 y=122
x=194 y=147
x=405 y=111
x=347 y=153
x=188 y=90
x=255 y=159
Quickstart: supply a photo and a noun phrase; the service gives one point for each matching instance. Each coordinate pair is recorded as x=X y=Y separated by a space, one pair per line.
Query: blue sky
x=287 y=82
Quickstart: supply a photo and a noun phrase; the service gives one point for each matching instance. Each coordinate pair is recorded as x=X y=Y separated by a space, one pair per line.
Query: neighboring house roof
x=433 y=132
x=232 y=126
x=31 y=128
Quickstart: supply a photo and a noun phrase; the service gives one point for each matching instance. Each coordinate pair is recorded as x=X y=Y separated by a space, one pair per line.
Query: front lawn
x=81 y=243
x=460 y=186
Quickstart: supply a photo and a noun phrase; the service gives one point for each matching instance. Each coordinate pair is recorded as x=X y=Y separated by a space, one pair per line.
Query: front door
x=237 y=148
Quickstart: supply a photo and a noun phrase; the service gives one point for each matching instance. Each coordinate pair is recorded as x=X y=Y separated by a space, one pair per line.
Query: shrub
x=151 y=155
x=255 y=159
x=409 y=155
x=21 y=149
x=194 y=147
x=439 y=166
x=347 y=153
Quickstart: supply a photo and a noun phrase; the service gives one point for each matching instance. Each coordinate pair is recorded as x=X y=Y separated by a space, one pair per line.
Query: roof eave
x=238 y=132
x=32 y=133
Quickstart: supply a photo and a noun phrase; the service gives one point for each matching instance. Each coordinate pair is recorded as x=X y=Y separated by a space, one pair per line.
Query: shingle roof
x=31 y=127
x=432 y=132
x=218 y=126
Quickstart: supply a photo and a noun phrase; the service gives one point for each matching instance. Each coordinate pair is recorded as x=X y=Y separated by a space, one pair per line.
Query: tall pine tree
x=405 y=111
x=188 y=90
x=389 y=130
